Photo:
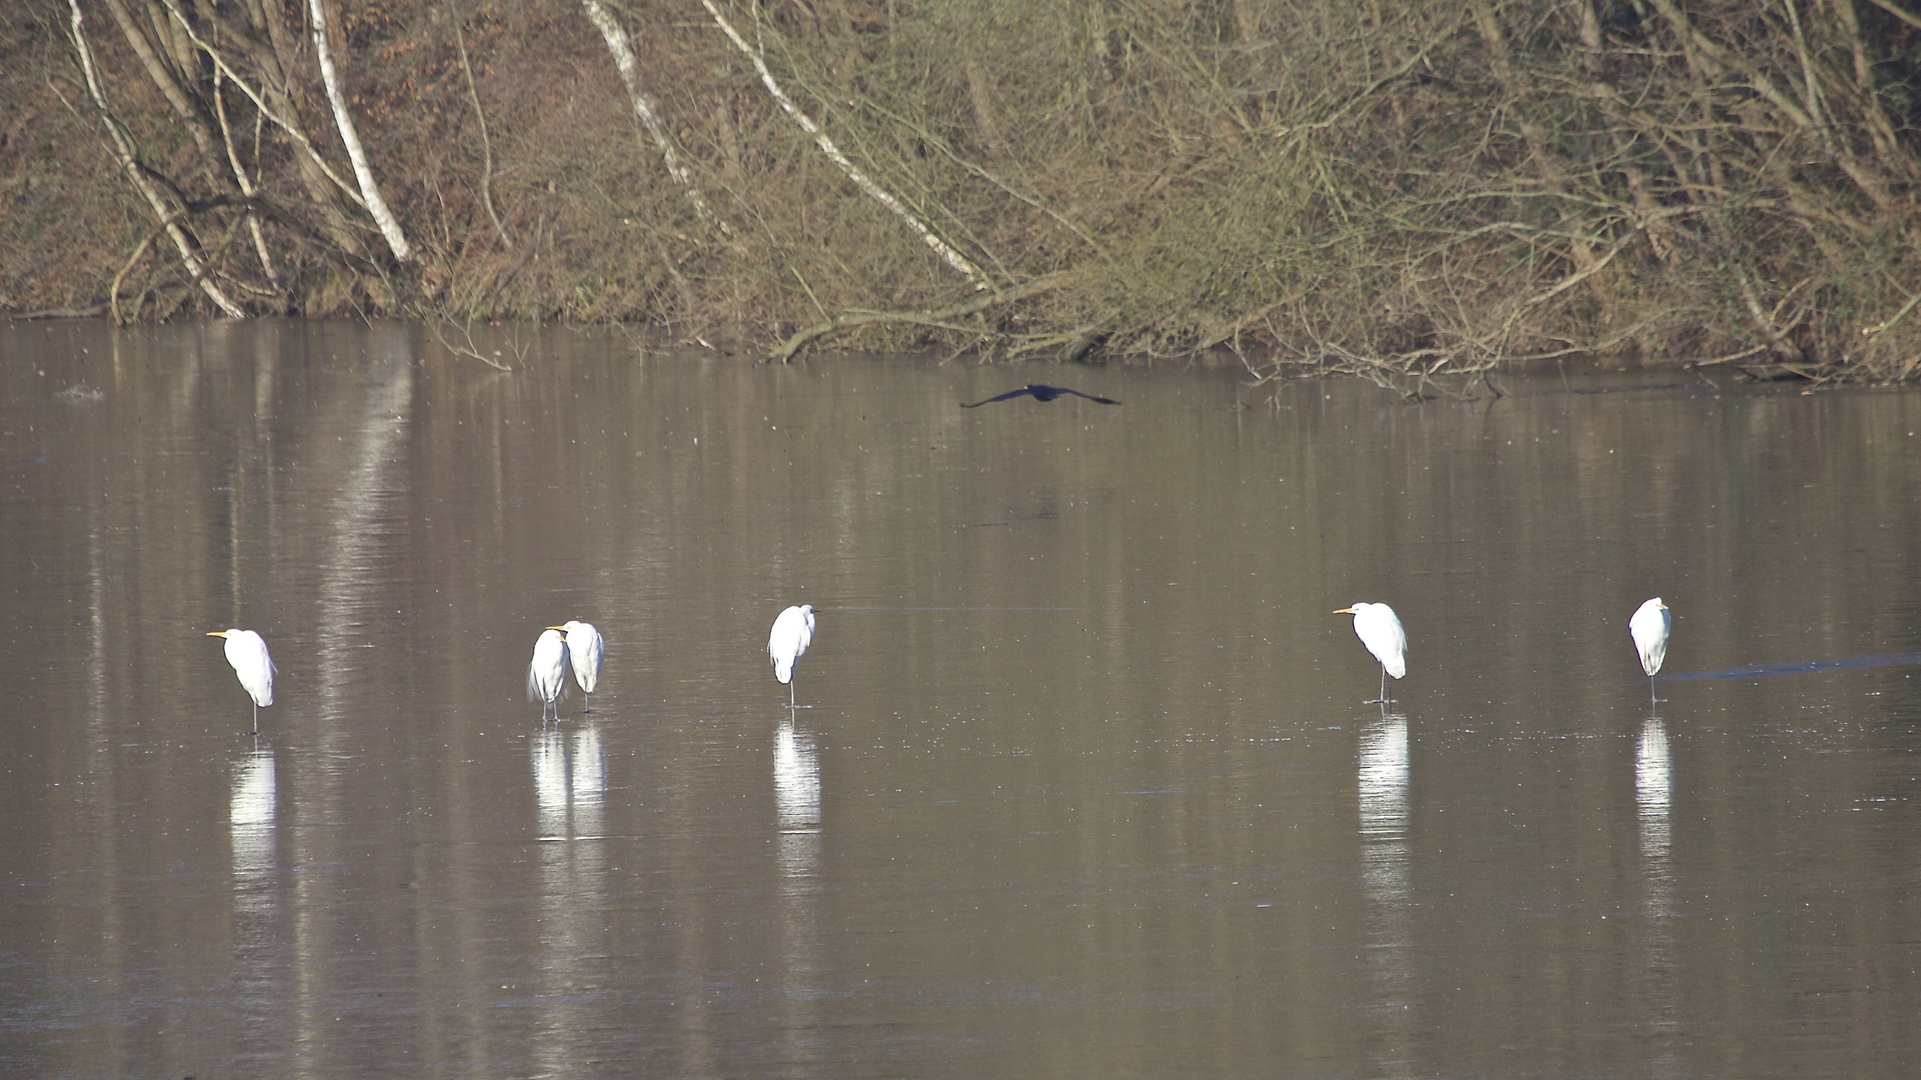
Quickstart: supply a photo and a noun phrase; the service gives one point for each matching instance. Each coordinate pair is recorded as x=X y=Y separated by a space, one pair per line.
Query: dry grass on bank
x=1399 y=189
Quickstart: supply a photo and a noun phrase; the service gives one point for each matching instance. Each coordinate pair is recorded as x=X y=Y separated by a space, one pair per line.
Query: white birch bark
x=861 y=180
x=369 y=190
x=644 y=105
x=123 y=146
x=285 y=124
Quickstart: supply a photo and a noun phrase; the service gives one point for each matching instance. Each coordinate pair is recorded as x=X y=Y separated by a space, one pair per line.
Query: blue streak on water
x=1756 y=671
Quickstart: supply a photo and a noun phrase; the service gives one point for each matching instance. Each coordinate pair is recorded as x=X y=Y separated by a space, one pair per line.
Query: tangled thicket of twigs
x=1318 y=185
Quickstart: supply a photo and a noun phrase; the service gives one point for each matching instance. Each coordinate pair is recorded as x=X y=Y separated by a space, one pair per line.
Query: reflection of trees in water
x=1382 y=785
x=358 y=448
x=1653 y=798
x=797 y=859
x=356 y=567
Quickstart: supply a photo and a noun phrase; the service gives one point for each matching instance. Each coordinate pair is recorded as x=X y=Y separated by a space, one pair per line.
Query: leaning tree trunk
x=861 y=180
x=645 y=106
x=363 y=172
x=169 y=217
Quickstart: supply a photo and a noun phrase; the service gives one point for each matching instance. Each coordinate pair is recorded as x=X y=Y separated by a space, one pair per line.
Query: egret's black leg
x=1382 y=699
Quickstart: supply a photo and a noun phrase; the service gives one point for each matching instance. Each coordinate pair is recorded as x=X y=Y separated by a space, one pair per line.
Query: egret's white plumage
x=547 y=675
x=586 y=647
x=247 y=652
x=1380 y=630
x=793 y=632
x=1649 y=628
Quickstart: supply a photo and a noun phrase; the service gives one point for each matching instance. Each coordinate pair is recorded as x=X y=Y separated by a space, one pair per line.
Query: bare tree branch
x=646 y=107
x=246 y=183
x=137 y=174
x=861 y=180
x=939 y=317
x=486 y=144
x=1906 y=17
x=282 y=121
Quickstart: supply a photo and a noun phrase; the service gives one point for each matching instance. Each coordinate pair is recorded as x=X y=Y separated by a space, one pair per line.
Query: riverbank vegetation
x=1403 y=190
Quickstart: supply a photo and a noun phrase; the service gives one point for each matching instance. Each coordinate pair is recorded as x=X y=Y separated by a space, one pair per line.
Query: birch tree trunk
x=274 y=99
x=165 y=78
x=240 y=173
x=124 y=150
x=644 y=105
x=369 y=189
x=861 y=180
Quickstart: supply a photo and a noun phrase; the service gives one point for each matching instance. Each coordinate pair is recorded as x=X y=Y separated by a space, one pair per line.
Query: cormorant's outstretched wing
x=1022 y=392
x=1039 y=393
x=1090 y=397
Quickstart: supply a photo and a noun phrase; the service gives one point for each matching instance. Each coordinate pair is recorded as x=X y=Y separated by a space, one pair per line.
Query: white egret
x=247 y=652
x=1649 y=628
x=793 y=632
x=586 y=646
x=547 y=675
x=1380 y=630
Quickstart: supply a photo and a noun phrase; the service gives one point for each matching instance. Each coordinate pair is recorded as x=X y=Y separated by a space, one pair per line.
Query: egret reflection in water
x=1653 y=801
x=570 y=783
x=262 y=963
x=250 y=817
x=1653 y=788
x=570 y=793
x=1381 y=782
x=797 y=860
x=796 y=801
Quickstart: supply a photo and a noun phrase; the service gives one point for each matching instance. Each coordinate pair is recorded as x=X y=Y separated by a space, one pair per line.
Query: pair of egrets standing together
x=572 y=643
x=578 y=644
x=1380 y=630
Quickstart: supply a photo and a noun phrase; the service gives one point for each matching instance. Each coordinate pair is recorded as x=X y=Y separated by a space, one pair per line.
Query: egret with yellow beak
x=247 y=652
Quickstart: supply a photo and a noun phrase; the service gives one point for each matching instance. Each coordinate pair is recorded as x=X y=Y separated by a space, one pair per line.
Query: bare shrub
x=1402 y=189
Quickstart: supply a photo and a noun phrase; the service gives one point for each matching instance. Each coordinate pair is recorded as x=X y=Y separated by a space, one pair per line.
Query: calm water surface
x=1085 y=787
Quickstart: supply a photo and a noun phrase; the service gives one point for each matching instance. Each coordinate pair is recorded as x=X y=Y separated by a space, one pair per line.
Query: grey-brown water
x=1085 y=786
